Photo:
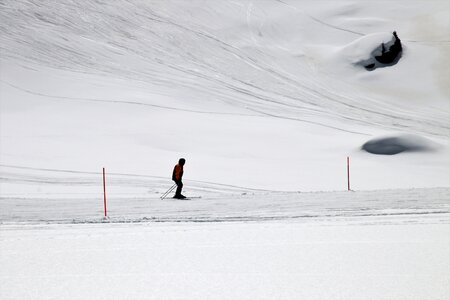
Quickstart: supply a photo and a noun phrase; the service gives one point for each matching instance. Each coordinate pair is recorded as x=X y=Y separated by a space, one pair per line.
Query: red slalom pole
x=104 y=191
x=348 y=173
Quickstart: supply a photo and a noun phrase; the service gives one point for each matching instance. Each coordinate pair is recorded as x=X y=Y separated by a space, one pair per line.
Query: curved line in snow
x=119 y=102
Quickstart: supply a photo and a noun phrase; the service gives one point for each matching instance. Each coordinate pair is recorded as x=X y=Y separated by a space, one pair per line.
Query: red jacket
x=177 y=172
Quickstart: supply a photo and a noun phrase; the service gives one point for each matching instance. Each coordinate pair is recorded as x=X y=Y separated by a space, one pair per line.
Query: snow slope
x=256 y=94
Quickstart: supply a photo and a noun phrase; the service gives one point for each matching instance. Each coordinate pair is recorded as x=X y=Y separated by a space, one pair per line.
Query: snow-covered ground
x=230 y=244
x=286 y=260
x=265 y=100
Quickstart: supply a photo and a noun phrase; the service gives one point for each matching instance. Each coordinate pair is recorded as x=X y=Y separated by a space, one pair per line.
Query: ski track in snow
x=135 y=199
x=374 y=207
x=251 y=80
x=119 y=102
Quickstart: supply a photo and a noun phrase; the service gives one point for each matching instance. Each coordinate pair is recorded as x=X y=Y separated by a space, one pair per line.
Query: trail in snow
x=118 y=102
x=65 y=196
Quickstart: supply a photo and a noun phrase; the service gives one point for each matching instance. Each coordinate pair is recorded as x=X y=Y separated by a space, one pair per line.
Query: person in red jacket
x=177 y=175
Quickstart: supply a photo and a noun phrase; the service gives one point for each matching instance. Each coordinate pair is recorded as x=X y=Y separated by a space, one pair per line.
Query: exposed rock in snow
x=392 y=54
x=374 y=50
x=397 y=144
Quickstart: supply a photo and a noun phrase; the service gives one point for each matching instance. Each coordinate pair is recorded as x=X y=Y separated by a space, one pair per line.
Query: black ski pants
x=179 y=187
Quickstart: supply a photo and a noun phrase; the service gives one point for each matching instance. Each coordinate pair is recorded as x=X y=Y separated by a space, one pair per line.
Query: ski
x=187 y=198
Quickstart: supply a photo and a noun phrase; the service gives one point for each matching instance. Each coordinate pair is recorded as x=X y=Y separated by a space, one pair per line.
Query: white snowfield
x=257 y=260
x=265 y=100
x=230 y=244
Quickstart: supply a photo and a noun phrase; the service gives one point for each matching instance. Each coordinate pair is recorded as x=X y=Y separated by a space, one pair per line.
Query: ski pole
x=168 y=192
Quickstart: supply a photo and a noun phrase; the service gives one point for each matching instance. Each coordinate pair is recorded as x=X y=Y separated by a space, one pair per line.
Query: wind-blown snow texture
x=265 y=99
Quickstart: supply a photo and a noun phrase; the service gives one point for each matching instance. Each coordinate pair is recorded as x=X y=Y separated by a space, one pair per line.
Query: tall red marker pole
x=104 y=191
x=348 y=173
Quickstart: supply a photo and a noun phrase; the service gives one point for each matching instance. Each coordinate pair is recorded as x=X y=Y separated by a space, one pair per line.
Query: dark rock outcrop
x=390 y=54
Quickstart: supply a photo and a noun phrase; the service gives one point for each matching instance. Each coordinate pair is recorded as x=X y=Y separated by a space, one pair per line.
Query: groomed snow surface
x=265 y=100
x=233 y=244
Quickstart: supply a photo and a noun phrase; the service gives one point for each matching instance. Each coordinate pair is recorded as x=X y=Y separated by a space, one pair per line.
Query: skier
x=177 y=175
